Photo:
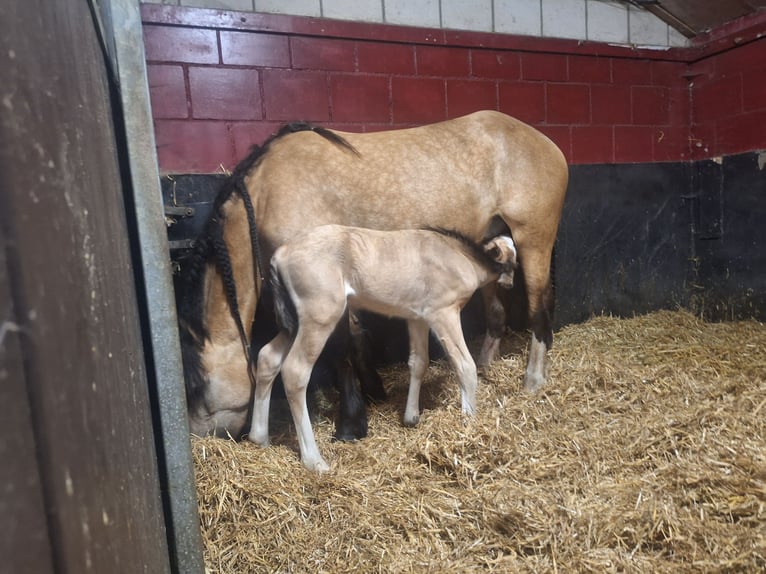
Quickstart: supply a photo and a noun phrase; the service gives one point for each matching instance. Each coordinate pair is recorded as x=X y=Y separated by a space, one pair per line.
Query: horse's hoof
x=377 y=395
x=349 y=435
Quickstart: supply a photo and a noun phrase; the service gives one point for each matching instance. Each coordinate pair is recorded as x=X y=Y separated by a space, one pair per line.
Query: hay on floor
x=646 y=452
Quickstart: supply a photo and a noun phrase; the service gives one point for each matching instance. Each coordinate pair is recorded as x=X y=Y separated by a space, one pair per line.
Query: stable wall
x=642 y=129
x=222 y=81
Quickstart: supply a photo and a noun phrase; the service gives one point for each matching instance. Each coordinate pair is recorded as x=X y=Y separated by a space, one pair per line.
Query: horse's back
x=454 y=174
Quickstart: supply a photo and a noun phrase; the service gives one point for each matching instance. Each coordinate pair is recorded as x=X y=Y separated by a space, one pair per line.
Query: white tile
x=676 y=39
x=293 y=7
x=518 y=17
x=245 y=5
x=607 y=22
x=413 y=12
x=359 y=10
x=564 y=19
x=467 y=15
x=646 y=29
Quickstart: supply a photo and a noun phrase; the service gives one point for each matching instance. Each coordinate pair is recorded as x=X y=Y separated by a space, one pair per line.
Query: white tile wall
x=597 y=20
x=292 y=7
x=467 y=14
x=564 y=19
x=359 y=10
x=522 y=17
x=245 y=5
x=413 y=13
x=646 y=29
x=676 y=39
x=607 y=21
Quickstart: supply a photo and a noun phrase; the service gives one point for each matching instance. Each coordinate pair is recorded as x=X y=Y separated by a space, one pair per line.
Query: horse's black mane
x=476 y=249
x=210 y=247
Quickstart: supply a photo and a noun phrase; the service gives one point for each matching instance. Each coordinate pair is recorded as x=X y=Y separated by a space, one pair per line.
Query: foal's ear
x=502 y=250
x=493 y=251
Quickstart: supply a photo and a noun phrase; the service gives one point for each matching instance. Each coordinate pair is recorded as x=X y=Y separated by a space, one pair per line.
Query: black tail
x=284 y=306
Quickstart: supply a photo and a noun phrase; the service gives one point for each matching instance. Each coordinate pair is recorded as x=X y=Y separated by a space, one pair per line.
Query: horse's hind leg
x=540 y=295
x=494 y=313
x=270 y=361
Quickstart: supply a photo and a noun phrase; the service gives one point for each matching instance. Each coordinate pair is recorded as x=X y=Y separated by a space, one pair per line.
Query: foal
x=423 y=276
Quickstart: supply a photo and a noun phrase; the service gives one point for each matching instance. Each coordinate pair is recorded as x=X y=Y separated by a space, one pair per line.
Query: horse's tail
x=284 y=306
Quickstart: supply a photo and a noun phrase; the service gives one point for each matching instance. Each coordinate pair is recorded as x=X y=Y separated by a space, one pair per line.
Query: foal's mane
x=210 y=247
x=475 y=249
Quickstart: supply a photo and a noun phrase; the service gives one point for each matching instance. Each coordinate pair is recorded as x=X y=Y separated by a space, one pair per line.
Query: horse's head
x=218 y=389
x=502 y=250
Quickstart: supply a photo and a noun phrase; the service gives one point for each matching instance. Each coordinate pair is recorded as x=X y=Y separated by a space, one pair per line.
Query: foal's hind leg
x=494 y=313
x=269 y=362
x=296 y=372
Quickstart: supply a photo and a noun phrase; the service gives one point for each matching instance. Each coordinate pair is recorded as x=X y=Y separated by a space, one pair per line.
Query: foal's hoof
x=411 y=421
x=258 y=440
x=317 y=465
x=533 y=383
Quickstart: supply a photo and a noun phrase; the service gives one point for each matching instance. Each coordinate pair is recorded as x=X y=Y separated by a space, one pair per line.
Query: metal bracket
x=179 y=211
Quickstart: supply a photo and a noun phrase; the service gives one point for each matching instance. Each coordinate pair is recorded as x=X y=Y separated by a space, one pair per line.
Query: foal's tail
x=284 y=306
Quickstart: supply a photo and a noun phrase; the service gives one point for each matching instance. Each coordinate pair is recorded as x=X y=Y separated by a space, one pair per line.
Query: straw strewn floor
x=645 y=453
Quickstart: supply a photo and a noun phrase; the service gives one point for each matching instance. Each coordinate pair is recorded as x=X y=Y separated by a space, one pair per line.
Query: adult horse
x=462 y=174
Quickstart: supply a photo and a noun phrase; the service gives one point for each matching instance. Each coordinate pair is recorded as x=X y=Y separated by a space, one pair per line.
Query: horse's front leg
x=361 y=359
x=418 y=363
x=351 y=421
x=495 y=318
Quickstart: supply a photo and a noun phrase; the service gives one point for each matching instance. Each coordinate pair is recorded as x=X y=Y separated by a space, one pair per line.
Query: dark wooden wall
x=80 y=491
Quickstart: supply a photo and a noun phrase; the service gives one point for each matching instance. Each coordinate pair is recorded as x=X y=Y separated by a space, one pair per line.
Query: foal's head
x=502 y=251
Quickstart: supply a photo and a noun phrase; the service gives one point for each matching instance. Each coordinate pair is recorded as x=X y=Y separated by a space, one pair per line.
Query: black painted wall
x=624 y=240
x=633 y=238
x=729 y=249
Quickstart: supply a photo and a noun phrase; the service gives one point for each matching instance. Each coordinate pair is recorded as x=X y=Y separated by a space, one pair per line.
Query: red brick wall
x=221 y=81
x=729 y=101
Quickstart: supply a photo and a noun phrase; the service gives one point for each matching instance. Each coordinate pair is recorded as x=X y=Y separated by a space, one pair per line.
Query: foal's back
x=405 y=273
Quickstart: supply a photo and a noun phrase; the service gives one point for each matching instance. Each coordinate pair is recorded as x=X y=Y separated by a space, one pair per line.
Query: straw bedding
x=645 y=453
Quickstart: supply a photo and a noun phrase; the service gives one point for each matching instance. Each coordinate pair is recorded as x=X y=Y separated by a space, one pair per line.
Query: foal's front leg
x=447 y=327
x=418 y=362
x=269 y=362
x=494 y=313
